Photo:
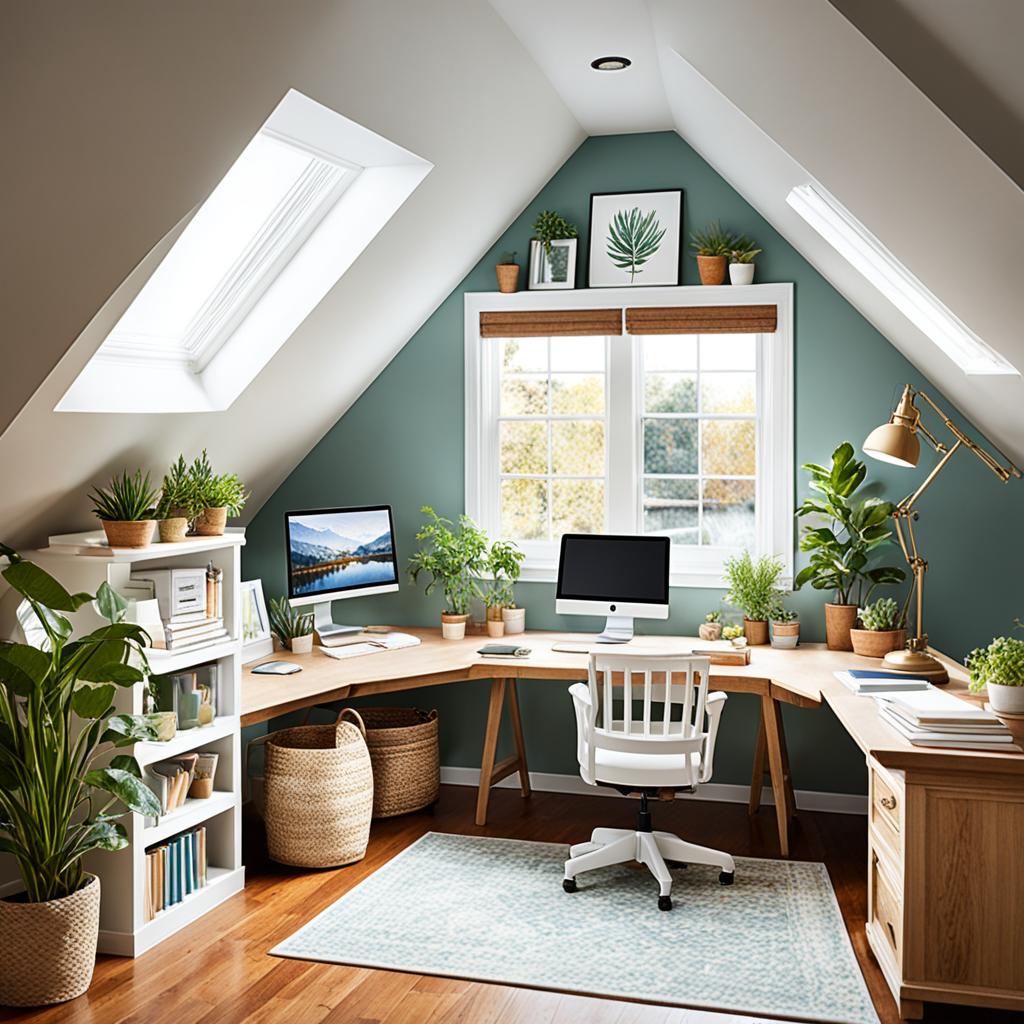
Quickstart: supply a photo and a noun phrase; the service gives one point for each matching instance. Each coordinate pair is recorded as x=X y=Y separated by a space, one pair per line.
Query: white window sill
x=546 y=573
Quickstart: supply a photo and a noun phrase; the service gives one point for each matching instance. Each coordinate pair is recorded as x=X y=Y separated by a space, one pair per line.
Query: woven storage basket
x=318 y=793
x=406 y=763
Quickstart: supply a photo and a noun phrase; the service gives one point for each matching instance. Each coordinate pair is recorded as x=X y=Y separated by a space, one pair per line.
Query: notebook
x=380 y=642
x=936 y=706
x=999 y=742
x=866 y=681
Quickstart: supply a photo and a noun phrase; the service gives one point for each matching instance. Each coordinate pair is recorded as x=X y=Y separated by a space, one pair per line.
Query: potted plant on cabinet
x=753 y=588
x=999 y=669
x=293 y=629
x=712 y=246
x=61 y=792
x=176 y=508
x=741 y=261
x=507 y=272
x=126 y=508
x=218 y=497
x=711 y=627
x=503 y=563
x=840 y=547
x=883 y=629
x=785 y=628
x=453 y=557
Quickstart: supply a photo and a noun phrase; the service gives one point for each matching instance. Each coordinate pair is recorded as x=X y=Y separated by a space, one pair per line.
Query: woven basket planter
x=211 y=522
x=406 y=763
x=318 y=794
x=48 y=950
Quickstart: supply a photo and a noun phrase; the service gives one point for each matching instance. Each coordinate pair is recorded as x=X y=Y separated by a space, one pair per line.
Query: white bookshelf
x=82 y=561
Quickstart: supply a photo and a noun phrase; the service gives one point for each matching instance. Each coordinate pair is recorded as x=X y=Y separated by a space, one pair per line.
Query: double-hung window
x=659 y=413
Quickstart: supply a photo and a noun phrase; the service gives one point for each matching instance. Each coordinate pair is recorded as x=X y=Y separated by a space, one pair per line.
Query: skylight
x=303 y=199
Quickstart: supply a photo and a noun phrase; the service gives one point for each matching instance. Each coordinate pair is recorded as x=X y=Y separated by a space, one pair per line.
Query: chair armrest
x=713 y=708
x=580 y=694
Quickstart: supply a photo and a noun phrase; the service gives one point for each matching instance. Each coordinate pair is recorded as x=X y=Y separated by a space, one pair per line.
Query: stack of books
x=871 y=680
x=192 y=631
x=174 y=870
x=170 y=781
x=934 y=718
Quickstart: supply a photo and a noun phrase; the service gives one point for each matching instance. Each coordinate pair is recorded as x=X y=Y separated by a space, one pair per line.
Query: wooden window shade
x=535 y=323
x=701 y=320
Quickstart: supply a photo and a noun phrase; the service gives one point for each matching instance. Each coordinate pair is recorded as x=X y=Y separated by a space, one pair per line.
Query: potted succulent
x=127 y=510
x=62 y=783
x=217 y=497
x=734 y=634
x=507 y=271
x=711 y=627
x=785 y=628
x=712 y=246
x=753 y=588
x=552 y=264
x=741 y=261
x=293 y=629
x=849 y=531
x=176 y=508
x=999 y=669
x=453 y=556
x=503 y=563
x=882 y=629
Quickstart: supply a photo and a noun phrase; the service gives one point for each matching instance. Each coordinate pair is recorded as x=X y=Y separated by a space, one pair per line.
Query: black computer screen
x=603 y=568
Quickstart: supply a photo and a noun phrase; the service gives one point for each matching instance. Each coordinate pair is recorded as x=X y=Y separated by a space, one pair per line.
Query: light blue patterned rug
x=494 y=910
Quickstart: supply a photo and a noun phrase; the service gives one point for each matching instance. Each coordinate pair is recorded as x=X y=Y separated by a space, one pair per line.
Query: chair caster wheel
x=664 y=902
x=726 y=877
x=569 y=884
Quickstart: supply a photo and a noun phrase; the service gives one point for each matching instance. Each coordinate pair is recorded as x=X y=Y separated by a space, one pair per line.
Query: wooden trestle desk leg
x=491 y=773
x=771 y=754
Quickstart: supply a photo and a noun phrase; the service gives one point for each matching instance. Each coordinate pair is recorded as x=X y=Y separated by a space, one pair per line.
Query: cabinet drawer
x=887 y=909
x=887 y=806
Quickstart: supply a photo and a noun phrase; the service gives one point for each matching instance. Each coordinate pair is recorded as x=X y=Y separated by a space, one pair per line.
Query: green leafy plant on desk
x=754 y=589
x=504 y=563
x=999 y=669
x=293 y=629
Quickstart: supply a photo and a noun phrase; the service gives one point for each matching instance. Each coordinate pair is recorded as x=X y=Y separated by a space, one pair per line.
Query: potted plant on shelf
x=785 y=628
x=883 y=629
x=552 y=251
x=293 y=629
x=507 y=272
x=61 y=791
x=741 y=261
x=503 y=563
x=218 y=497
x=176 y=508
x=711 y=627
x=126 y=508
x=712 y=246
x=453 y=556
x=999 y=669
x=849 y=531
x=753 y=588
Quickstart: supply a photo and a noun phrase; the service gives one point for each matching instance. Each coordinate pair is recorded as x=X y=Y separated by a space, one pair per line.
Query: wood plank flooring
x=218 y=971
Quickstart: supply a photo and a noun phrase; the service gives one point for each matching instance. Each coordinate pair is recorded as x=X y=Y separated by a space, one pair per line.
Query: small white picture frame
x=555 y=271
x=254 y=622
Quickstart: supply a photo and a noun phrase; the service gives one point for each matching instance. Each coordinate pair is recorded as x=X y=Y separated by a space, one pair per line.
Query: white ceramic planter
x=302 y=644
x=453 y=627
x=1006 y=699
x=785 y=635
x=741 y=273
x=514 y=619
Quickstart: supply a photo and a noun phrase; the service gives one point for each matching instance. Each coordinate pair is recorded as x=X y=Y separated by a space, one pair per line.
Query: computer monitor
x=335 y=553
x=623 y=577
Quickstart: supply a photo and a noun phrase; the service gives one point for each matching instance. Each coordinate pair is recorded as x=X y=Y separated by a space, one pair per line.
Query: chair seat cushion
x=622 y=769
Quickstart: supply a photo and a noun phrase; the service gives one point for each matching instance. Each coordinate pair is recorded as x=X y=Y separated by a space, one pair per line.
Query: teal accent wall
x=402 y=443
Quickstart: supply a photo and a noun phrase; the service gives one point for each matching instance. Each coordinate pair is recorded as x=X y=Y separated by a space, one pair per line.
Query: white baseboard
x=549 y=782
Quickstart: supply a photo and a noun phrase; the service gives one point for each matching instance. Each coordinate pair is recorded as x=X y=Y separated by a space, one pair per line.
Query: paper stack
x=934 y=718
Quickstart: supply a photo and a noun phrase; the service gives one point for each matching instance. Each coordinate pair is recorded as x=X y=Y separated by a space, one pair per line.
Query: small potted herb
x=999 y=669
x=785 y=628
x=883 y=629
x=711 y=627
x=712 y=246
x=734 y=634
x=176 y=508
x=127 y=510
x=753 y=588
x=741 y=261
x=503 y=563
x=452 y=556
x=507 y=271
x=293 y=629
x=217 y=497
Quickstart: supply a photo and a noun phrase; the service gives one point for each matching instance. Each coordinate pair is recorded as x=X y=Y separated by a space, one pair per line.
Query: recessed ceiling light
x=610 y=63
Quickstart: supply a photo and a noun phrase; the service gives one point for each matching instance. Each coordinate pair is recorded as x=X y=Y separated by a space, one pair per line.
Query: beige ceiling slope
x=123 y=116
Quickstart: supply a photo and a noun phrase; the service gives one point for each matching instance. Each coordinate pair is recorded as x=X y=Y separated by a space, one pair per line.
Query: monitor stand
x=618 y=629
x=330 y=633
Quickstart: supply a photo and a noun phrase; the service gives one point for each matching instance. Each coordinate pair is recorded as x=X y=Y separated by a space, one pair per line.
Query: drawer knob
x=888 y=802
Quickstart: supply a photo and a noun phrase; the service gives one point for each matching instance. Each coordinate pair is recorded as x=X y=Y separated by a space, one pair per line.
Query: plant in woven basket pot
x=504 y=563
x=999 y=669
x=754 y=589
x=712 y=247
x=452 y=556
x=785 y=628
x=292 y=628
x=63 y=787
x=126 y=508
x=882 y=628
x=218 y=497
x=177 y=507
x=711 y=627
x=741 y=261
x=507 y=272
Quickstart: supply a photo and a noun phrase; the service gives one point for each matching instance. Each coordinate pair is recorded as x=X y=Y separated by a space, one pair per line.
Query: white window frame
x=692 y=567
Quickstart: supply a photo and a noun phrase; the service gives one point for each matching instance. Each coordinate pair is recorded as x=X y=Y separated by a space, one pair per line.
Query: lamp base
x=916 y=663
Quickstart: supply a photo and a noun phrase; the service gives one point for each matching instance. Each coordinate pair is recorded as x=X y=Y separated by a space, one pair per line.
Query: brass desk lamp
x=897 y=442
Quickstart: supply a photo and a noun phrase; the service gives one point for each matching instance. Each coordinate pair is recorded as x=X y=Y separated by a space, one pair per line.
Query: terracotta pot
x=710 y=631
x=712 y=269
x=741 y=273
x=211 y=522
x=301 y=644
x=756 y=631
x=48 y=950
x=785 y=635
x=839 y=620
x=1008 y=700
x=877 y=643
x=453 y=627
x=514 y=619
x=124 y=534
x=508 y=277
x=173 y=530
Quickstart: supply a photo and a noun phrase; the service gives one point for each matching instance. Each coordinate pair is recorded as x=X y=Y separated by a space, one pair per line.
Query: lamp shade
x=895 y=443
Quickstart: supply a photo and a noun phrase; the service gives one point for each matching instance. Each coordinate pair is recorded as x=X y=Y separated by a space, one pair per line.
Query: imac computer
x=336 y=553
x=622 y=577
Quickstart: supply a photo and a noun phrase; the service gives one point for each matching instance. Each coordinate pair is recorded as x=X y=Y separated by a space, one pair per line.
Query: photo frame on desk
x=256 y=639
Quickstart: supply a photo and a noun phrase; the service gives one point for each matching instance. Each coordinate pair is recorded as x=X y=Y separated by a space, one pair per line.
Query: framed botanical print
x=636 y=238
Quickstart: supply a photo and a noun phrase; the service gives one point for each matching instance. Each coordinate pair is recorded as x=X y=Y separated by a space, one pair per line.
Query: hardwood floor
x=219 y=972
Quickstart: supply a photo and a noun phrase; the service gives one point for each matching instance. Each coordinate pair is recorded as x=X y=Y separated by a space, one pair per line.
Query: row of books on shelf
x=183 y=607
x=174 y=869
x=174 y=780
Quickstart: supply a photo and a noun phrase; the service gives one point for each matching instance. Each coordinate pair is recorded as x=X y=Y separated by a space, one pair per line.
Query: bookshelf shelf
x=186 y=740
x=166 y=662
x=189 y=815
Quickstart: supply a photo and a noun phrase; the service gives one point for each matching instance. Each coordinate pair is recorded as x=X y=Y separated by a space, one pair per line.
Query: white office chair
x=654 y=751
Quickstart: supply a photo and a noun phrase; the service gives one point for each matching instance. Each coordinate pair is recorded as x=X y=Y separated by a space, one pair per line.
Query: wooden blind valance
x=701 y=320
x=537 y=323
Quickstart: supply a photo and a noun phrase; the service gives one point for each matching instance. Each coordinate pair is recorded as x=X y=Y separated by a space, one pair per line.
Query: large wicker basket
x=318 y=793
x=406 y=763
